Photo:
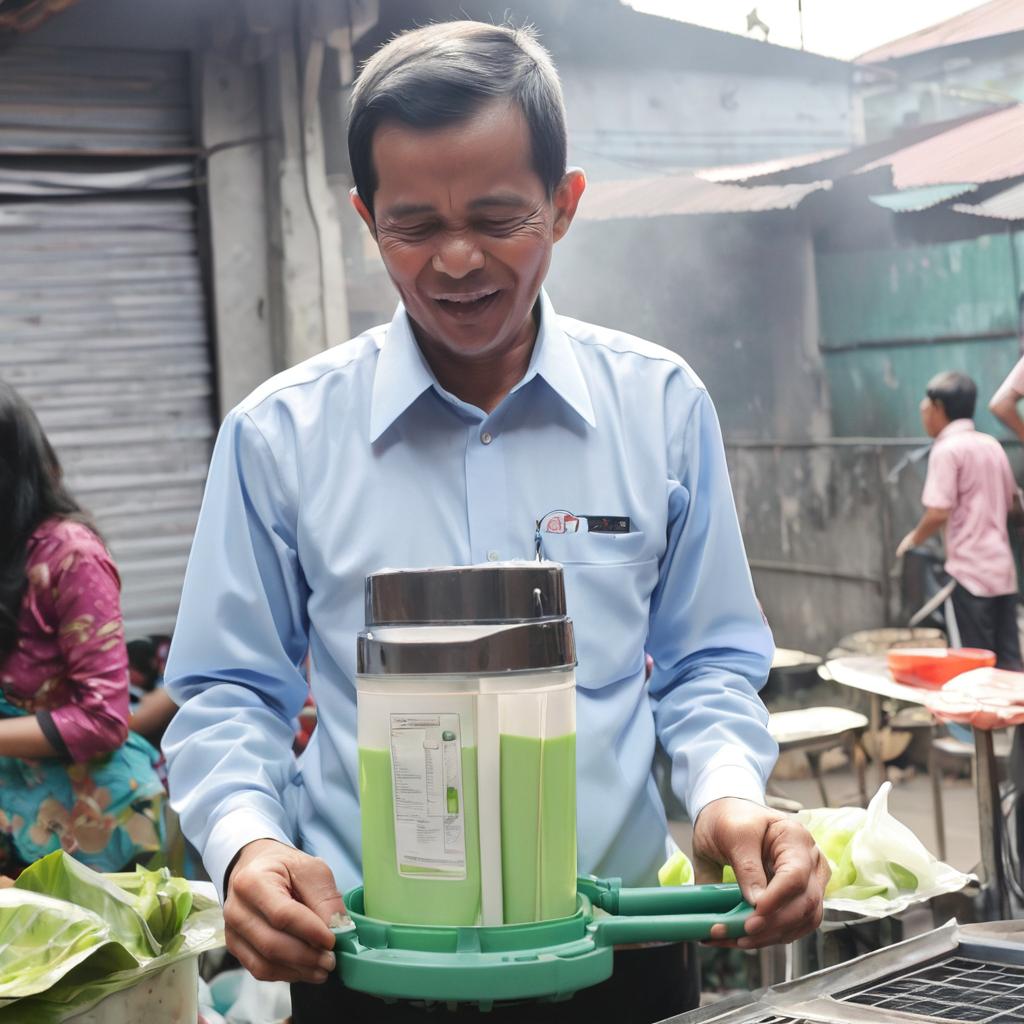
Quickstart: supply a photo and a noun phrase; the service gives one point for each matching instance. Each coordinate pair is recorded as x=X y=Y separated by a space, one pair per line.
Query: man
x=446 y=438
x=970 y=490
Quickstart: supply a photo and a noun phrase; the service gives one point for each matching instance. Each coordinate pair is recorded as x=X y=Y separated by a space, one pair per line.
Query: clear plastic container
x=467 y=772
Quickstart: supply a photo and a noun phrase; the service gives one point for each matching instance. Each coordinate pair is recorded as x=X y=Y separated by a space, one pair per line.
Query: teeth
x=469 y=297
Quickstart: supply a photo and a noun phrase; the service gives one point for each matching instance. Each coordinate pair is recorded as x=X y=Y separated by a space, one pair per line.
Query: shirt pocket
x=608 y=589
x=595 y=548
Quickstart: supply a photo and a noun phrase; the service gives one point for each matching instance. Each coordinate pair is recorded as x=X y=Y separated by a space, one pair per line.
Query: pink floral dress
x=101 y=799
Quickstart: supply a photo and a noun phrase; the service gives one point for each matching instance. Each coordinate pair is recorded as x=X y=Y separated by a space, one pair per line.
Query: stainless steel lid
x=495 y=592
x=467 y=650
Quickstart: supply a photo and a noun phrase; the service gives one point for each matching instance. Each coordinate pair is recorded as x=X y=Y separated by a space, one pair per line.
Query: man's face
x=465 y=228
x=933 y=417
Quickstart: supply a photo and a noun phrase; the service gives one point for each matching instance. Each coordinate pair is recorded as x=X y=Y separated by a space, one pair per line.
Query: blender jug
x=467 y=746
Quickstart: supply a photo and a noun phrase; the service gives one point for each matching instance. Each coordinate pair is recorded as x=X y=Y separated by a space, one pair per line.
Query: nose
x=458 y=256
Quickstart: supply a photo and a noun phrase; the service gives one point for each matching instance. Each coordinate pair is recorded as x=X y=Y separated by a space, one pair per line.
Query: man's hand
x=933 y=520
x=276 y=912
x=778 y=867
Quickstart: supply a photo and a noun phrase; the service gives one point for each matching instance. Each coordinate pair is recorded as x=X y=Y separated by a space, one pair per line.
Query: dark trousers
x=989 y=623
x=649 y=984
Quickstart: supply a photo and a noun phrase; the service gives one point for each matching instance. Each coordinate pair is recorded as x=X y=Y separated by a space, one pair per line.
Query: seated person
x=72 y=777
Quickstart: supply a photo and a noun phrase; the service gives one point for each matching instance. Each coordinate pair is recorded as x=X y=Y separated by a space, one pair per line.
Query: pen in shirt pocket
x=560 y=521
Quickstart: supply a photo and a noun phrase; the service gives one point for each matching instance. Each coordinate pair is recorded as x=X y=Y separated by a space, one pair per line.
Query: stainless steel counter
x=971 y=973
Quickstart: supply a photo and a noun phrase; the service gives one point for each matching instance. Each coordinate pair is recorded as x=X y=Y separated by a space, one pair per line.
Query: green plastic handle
x=677 y=899
x=608 y=894
x=617 y=931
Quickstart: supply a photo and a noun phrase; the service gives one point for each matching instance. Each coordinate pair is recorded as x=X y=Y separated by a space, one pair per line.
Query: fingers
x=777 y=865
x=267 y=966
x=268 y=949
x=730 y=831
x=275 y=915
x=792 y=904
x=315 y=887
x=748 y=866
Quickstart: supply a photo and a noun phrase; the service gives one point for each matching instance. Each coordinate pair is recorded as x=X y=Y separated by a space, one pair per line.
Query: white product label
x=430 y=821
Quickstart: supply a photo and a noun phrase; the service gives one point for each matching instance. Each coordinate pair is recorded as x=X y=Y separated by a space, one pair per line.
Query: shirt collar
x=403 y=374
x=555 y=361
x=955 y=427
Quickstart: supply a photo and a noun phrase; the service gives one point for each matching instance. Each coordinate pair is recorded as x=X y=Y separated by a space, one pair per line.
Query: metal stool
x=815 y=730
x=950 y=752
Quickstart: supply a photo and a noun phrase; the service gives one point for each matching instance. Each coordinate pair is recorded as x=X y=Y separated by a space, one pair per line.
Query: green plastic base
x=547 y=960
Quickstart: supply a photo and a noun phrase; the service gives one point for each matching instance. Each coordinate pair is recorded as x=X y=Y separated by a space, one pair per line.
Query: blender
x=467 y=772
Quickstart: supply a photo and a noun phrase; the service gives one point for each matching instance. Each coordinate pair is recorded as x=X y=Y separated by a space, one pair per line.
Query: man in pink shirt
x=970 y=490
x=1011 y=391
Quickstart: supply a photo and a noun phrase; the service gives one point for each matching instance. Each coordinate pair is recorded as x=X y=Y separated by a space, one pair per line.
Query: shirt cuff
x=52 y=733
x=726 y=780
x=236 y=829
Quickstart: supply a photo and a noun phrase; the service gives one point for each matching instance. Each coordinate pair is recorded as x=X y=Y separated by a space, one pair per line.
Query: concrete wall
x=628 y=122
x=820 y=523
x=734 y=296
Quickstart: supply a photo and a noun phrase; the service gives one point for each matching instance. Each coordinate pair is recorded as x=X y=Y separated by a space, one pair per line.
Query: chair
x=816 y=730
x=951 y=752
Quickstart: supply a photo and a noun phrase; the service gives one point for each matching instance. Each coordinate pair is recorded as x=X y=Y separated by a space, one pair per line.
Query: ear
x=566 y=199
x=360 y=207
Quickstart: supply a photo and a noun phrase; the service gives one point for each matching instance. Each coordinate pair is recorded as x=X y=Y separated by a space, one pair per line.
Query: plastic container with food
x=933 y=667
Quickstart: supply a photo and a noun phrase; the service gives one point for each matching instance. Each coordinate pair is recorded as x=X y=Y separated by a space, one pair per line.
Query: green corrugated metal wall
x=892 y=318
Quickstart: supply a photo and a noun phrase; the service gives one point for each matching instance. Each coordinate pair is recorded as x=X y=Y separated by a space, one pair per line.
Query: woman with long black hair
x=71 y=774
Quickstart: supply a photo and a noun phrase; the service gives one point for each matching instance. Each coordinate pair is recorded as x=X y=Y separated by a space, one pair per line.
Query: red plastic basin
x=934 y=667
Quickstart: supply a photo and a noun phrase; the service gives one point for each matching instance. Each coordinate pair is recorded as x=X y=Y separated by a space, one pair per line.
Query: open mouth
x=467 y=304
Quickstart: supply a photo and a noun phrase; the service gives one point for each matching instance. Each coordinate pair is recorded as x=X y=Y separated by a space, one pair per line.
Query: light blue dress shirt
x=358 y=459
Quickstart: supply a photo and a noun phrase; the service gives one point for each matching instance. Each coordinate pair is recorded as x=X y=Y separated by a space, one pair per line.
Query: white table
x=870 y=674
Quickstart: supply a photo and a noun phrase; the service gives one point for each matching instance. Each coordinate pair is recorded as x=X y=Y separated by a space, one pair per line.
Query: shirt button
x=493 y=556
x=486 y=438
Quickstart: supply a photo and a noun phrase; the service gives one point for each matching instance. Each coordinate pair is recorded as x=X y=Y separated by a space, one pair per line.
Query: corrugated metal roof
x=686 y=195
x=832 y=164
x=1007 y=205
x=992 y=19
x=989 y=148
x=744 y=172
x=914 y=200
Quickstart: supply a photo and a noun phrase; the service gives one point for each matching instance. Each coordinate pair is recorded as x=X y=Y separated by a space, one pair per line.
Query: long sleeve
x=85 y=592
x=235 y=661
x=710 y=643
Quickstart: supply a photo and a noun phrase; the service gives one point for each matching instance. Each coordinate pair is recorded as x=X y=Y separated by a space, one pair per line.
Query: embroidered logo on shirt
x=562 y=522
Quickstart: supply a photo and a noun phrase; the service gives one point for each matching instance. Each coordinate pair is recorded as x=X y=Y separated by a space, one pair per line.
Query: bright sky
x=838 y=28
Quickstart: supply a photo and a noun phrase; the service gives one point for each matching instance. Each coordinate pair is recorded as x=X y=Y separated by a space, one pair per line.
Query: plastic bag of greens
x=70 y=936
x=879 y=867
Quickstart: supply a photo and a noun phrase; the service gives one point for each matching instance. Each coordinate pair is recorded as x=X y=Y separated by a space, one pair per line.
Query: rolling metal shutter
x=103 y=323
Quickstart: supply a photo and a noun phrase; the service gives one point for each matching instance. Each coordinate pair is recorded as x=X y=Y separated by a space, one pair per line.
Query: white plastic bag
x=879 y=867
x=255 y=1002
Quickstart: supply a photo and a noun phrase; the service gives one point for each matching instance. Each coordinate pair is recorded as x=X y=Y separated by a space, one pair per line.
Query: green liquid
x=538 y=828
x=387 y=894
x=538 y=839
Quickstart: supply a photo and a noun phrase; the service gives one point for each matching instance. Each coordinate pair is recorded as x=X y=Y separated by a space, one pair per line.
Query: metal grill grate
x=955 y=989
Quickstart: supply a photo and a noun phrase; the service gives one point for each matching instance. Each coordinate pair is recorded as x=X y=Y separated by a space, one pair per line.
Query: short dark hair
x=441 y=74
x=955 y=392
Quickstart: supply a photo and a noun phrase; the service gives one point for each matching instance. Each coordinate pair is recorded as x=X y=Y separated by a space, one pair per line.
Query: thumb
x=748 y=867
x=314 y=886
